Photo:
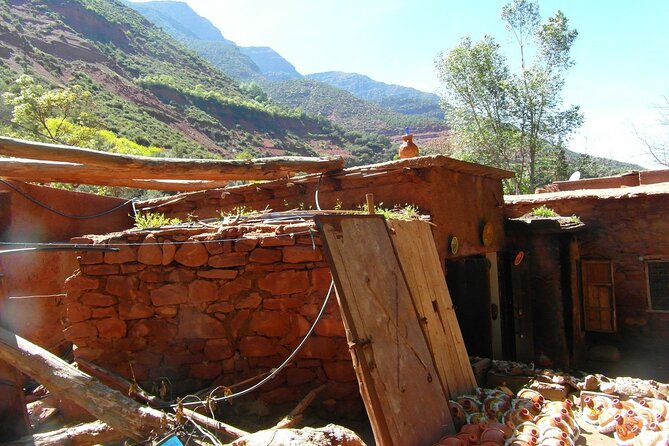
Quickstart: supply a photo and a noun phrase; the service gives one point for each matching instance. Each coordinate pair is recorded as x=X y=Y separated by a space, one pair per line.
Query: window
x=658 y=284
x=599 y=305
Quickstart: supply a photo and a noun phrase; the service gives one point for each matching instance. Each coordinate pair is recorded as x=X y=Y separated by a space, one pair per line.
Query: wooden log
x=57 y=172
x=87 y=434
x=118 y=411
x=297 y=414
x=119 y=383
x=181 y=169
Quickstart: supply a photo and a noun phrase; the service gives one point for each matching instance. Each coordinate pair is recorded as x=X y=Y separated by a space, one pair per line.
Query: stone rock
x=282 y=303
x=319 y=347
x=192 y=254
x=169 y=249
x=103 y=312
x=264 y=255
x=98 y=300
x=169 y=295
x=80 y=330
x=205 y=370
x=151 y=276
x=202 y=291
x=330 y=325
x=111 y=328
x=256 y=346
x=194 y=324
x=122 y=286
x=285 y=282
x=341 y=371
x=330 y=435
x=217 y=349
x=152 y=327
x=77 y=312
x=301 y=254
x=321 y=278
x=125 y=254
x=91 y=257
x=134 y=310
x=228 y=260
x=223 y=274
x=267 y=242
x=166 y=311
x=246 y=244
x=297 y=376
x=220 y=307
x=181 y=275
x=150 y=253
x=78 y=282
x=102 y=269
x=270 y=323
x=251 y=301
x=130 y=268
x=234 y=287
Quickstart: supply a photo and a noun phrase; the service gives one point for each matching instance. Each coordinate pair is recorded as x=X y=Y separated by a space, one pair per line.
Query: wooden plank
x=418 y=256
x=398 y=381
x=57 y=172
x=176 y=169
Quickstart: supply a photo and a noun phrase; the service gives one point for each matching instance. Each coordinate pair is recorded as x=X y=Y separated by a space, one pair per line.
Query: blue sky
x=621 y=52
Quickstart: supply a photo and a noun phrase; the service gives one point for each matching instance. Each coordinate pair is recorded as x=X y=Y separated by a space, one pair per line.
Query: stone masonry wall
x=206 y=306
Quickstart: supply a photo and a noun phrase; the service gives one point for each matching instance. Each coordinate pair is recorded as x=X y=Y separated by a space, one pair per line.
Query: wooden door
x=599 y=305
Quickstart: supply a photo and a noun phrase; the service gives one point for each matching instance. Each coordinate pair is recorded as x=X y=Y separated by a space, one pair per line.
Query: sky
x=619 y=79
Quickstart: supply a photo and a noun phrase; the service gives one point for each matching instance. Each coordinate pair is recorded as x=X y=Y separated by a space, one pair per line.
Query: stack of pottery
x=640 y=422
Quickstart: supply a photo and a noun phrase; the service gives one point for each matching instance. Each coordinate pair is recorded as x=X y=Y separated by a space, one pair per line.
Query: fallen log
x=119 y=383
x=56 y=172
x=118 y=411
x=176 y=169
x=87 y=434
x=297 y=414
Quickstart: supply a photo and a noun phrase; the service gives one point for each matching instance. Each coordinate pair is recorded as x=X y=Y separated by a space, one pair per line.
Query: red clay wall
x=459 y=203
x=43 y=273
x=212 y=312
x=625 y=230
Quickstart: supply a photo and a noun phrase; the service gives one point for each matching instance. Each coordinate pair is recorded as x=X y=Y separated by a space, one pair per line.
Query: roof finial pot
x=408 y=149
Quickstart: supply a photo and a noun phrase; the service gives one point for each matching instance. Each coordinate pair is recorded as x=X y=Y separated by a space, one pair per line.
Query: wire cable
x=63 y=214
x=283 y=365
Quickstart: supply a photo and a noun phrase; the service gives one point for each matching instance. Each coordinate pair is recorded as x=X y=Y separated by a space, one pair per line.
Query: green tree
x=513 y=120
x=50 y=114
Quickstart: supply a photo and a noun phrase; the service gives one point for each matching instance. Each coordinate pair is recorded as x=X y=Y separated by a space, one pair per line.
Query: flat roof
x=611 y=193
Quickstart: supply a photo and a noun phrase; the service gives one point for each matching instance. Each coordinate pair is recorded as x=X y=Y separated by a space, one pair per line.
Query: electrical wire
x=63 y=214
x=283 y=365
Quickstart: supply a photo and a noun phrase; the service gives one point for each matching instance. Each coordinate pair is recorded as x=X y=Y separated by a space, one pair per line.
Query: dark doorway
x=468 y=284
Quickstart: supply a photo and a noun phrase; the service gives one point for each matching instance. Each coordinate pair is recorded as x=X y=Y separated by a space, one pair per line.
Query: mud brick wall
x=212 y=307
x=626 y=228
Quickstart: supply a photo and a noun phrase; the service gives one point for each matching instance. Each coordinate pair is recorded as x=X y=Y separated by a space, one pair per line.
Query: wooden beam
x=123 y=414
x=175 y=169
x=58 y=172
x=87 y=434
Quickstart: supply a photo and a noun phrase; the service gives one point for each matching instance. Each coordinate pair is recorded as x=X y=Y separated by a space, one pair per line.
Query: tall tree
x=658 y=146
x=513 y=120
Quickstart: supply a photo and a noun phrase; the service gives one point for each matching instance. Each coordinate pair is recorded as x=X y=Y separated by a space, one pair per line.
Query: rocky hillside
x=150 y=88
x=377 y=112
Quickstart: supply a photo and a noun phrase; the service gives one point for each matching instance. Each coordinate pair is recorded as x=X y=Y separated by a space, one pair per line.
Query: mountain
x=272 y=66
x=344 y=108
x=378 y=112
x=400 y=99
x=151 y=89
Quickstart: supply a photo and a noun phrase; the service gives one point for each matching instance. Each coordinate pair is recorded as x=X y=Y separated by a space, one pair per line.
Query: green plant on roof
x=575 y=219
x=154 y=220
x=397 y=212
x=543 y=211
x=238 y=211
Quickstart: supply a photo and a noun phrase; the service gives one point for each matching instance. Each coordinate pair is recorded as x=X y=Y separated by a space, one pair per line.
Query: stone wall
x=628 y=229
x=212 y=306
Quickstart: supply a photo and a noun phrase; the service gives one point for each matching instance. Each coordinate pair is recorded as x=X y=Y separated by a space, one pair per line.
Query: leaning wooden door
x=599 y=303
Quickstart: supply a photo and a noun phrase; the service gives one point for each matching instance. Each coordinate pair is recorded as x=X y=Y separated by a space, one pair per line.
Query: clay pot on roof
x=408 y=149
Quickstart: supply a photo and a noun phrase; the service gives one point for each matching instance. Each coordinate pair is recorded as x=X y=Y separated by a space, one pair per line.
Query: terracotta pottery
x=457 y=413
x=530 y=394
x=408 y=149
x=493 y=435
x=553 y=442
x=468 y=438
x=506 y=430
x=451 y=441
x=627 y=428
x=469 y=403
x=528 y=428
x=473 y=428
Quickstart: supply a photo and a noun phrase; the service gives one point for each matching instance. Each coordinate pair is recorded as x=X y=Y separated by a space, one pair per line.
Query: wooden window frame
x=649 y=298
